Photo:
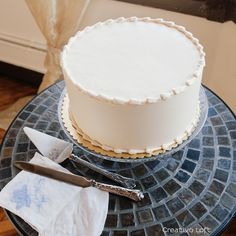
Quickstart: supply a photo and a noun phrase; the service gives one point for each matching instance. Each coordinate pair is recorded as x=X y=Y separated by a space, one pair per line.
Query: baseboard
x=22 y=53
x=21 y=74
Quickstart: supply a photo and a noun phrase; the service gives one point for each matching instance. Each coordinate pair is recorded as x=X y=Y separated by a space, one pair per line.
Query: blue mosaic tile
x=9 y=143
x=207 y=164
x=231 y=125
x=171 y=224
x=40 y=110
x=223 y=141
x=144 y=216
x=196 y=187
x=209 y=222
x=24 y=115
x=202 y=175
x=208 y=152
x=216 y=121
x=54 y=126
x=175 y=205
x=216 y=187
x=211 y=112
x=159 y=194
x=182 y=176
x=127 y=219
x=139 y=232
x=32 y=118
x=224 y=164
x=23 y=147
x=140 y=170
x=178 y=155
x=209 y=199
x=221 y=130
x=188 y=166
x=214 y=100
x=231 y=189
x=17 y=124
x=221 y=175
x=152 y=164
x=112 y=204
x=41 y=125
x=227 y=201
x=105 y=233
x=207 y=130
x=233 y=134
x=161 y=212
x=220 y=108
x=227 y=116
x=125 y=203
x=234 y=144
x=171 y=187
x=198 y=210
x=111 y=221
x=185 y=218
x=161 y=175
x=224 y=152
x=148 y=182
x=30 y=107
x=208 y=141
x=193 y=154
x=6 y=162
x=172 y=165
x=146 y=201
x=5 y=173
x=155 y=230
x=195 y=143
x=120 y=233
x=186 y=196
x=219 y=213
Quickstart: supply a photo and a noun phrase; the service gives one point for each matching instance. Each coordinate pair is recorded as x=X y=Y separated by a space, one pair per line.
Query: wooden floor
x=10 y=91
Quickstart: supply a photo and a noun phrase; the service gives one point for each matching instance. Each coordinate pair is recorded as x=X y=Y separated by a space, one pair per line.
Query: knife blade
x=84 y=182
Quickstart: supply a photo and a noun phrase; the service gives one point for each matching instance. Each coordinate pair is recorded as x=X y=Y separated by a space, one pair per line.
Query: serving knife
x=77 y=180
x=59 y=150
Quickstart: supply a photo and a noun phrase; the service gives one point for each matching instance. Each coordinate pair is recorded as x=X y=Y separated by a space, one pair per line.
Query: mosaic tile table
x=193 y=190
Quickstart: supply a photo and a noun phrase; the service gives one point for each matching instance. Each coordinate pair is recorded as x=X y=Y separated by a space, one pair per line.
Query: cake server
x=77 y=180
x=59 y=150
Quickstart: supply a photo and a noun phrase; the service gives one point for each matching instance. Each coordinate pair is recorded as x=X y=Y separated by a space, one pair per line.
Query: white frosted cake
x=133 y=84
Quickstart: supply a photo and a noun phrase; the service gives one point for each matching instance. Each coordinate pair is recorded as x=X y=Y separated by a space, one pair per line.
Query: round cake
x=133 y=83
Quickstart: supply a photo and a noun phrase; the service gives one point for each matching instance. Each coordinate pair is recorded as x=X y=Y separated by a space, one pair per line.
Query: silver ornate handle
x=133 y=194
x=124 y=181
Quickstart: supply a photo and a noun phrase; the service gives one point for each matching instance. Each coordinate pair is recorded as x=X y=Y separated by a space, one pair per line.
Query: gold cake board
x=86 y=142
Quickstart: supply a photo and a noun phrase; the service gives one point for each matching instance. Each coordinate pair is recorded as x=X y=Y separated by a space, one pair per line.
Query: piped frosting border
x=164 y=96
x=77 y=133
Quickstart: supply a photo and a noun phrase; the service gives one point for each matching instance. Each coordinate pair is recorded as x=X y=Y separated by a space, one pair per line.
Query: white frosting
x=132 y=61
x=133 y=84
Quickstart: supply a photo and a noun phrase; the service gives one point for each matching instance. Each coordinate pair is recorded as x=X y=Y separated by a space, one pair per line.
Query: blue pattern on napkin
x=23 y=198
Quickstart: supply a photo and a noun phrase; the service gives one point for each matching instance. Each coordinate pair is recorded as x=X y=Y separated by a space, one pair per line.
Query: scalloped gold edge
x=96 y=146
x=163 y=96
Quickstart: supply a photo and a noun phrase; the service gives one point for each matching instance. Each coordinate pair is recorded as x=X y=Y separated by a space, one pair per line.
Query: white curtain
x=57 y=20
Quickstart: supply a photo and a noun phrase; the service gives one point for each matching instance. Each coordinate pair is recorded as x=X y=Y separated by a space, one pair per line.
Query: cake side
x=134 y=128
x=151 y=84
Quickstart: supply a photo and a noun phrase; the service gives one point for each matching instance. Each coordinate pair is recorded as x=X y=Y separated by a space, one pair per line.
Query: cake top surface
x=133 y=60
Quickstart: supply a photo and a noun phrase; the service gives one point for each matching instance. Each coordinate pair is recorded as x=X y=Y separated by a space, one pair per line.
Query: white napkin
x=55 y=208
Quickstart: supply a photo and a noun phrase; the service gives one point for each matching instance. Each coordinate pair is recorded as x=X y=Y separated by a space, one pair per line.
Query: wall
x=218 y=39
x=21 y=42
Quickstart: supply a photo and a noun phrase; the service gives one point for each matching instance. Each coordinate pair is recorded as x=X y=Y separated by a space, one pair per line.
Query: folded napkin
x=55 y=208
